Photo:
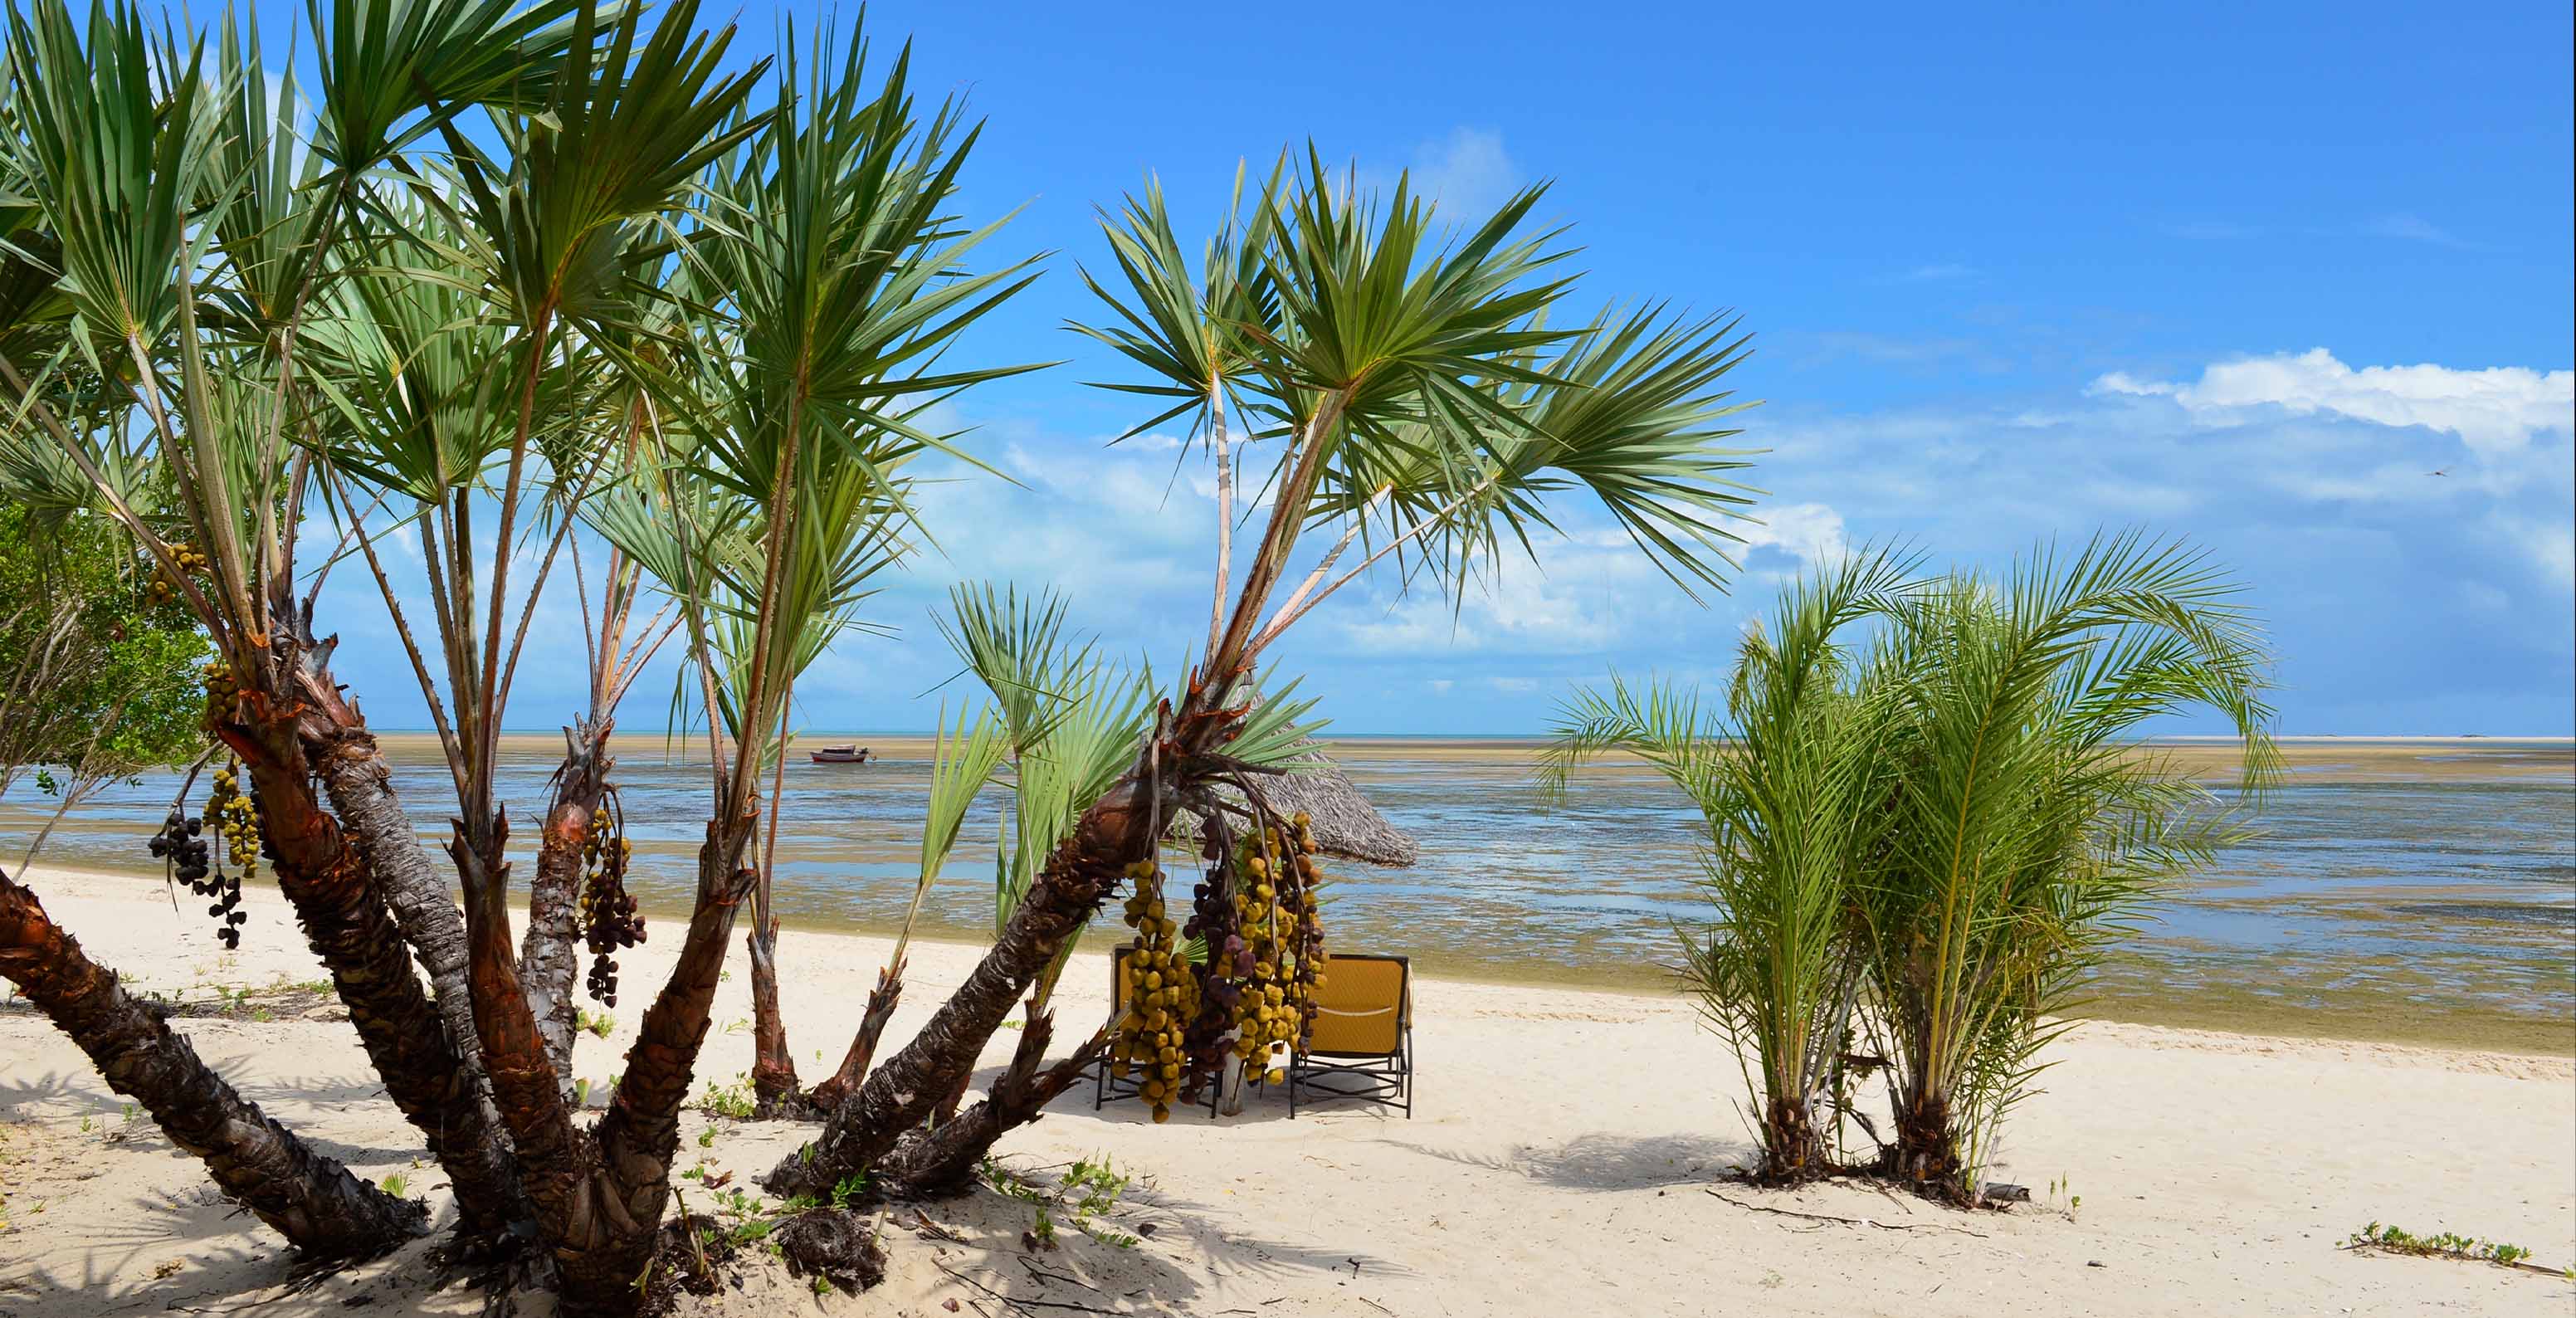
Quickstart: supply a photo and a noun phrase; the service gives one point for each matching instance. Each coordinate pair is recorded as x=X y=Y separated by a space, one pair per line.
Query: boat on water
x=843 y=755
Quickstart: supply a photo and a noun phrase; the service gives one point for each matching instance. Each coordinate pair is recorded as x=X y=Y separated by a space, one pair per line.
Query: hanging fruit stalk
x=608 y=918
x=1162 y=996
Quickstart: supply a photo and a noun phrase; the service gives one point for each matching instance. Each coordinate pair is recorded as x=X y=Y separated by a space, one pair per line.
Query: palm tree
x=475 y=329
x=1410 y=394
x=1787 y=782
x=2022 y=828
x=174 y=239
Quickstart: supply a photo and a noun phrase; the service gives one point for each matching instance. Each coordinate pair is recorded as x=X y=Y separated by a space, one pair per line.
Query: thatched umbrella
x=1344 y=823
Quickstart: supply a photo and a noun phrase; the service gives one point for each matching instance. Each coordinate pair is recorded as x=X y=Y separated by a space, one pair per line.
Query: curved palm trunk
x=350 y=928
x=942 y=1159
x=598 y=1195
x=602 y=1251
x=310 y=1199
x=1085 y=869
x=354 y=776
x=863 y=1045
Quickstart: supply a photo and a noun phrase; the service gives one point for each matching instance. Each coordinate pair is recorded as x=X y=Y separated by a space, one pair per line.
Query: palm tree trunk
x=942 y=1159
x=1085 y=869
x=845 y=1081
x=549 y=954
x=360 y=787
x=603 y=1241
x=1793 y=1149
x=1926 y=1152
x=310 y=1199
x=773 y=1069
x=349 y=927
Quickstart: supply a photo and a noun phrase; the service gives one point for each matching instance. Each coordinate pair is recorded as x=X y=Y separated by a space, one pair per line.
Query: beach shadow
x=1000 y=1263
x=83 y=1094
x=1603 y=1161
x=1243 y=1252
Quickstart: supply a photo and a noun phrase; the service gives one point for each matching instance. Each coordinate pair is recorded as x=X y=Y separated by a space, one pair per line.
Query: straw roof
x=1344 y=823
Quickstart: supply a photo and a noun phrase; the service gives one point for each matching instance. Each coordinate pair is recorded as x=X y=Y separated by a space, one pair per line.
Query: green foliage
x=97 y=680
x=1786 y=781
x=729 y=1100
x=2440 y=1244
x=1411 y=368
x=1087 y=1191
x=1933 y=839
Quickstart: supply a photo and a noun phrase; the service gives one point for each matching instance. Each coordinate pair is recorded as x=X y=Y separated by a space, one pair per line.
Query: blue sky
x=2246 y=278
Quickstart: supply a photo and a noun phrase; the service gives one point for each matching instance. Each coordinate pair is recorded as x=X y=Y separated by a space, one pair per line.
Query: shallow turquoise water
x=2457 y=891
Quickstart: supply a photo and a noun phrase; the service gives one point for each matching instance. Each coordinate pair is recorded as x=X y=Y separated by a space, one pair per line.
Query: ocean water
x=2431 y=882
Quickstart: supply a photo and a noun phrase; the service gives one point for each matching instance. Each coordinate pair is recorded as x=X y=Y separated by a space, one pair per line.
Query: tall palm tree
x=1411 y=395
x=499 y=325
x=182 y=234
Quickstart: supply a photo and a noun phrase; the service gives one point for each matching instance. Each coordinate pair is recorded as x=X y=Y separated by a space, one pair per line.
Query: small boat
x=843 y=755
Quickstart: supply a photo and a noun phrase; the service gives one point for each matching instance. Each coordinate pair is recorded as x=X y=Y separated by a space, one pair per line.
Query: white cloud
x=2550 y=545
x=2411 y=228
x=1513 y=685
x=2497 y=411
x=1940 y=272
x=1468 y=173
x=1440 y=685
x=1811 y=531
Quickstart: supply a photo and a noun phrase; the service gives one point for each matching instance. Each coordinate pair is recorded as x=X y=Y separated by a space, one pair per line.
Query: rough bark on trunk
x=549 y=955
x=360 y=787
x=942 y=1159
x=1926 y=1153
x=845 y=1081
x=310 y=1199
x=1084 y=870
x=1793 y=1149
x=350 y=929
x=773 y=1070
x=601 y=1248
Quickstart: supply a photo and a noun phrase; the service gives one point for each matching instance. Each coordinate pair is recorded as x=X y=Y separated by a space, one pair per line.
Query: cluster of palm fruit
x=164 y=588
x=1281 y=941
x=1162 y=996
x=182 y=846
x=607 y=909
x=1256 y=915
x=185 y=857
x=221 y=690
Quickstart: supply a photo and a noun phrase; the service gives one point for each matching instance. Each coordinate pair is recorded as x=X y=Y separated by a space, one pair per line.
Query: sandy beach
x=1565 y=1158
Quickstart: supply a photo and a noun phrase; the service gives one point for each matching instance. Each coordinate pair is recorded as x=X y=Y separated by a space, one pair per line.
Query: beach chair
x=1362 y=1044
x=1104 y=1085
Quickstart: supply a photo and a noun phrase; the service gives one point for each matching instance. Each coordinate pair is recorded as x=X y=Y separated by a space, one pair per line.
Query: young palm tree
x=1788 y=781
x=1056 y=732
x=1410 y=395
x=2021 y=828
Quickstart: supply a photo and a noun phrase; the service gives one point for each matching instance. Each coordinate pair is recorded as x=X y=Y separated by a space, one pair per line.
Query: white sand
x=1561 y=1161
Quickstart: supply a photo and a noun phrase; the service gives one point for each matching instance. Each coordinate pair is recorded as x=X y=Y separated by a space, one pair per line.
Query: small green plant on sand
x=599 y=1023
x=1088 y=1190
x=730 y=1100
x=2440 y=1244
x=393 y=1184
